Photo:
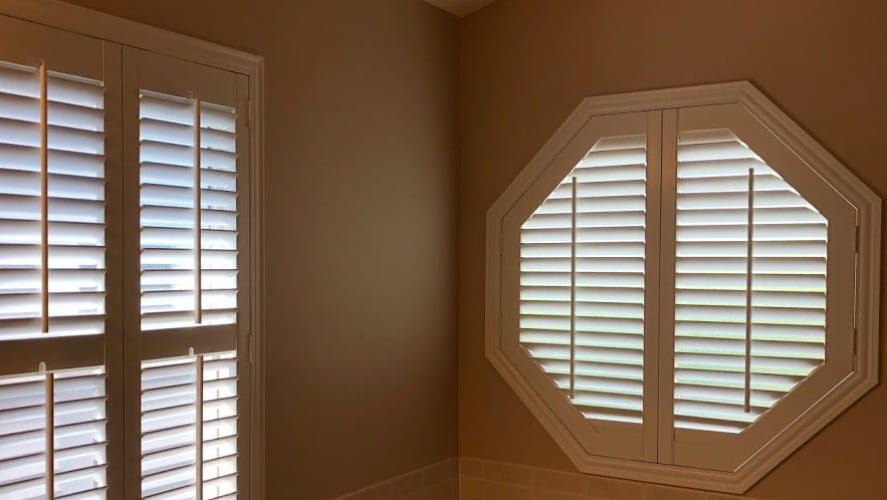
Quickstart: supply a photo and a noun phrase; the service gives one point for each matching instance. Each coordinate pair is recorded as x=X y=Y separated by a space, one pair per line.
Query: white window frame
x=64 y=16
x=501 y=334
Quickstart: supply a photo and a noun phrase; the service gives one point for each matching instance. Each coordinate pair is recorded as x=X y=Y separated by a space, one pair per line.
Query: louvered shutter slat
x=20 y=188
x=584 y=270
x=180 y=403
x=169 y=216
x=78 y=432
x=729 y=372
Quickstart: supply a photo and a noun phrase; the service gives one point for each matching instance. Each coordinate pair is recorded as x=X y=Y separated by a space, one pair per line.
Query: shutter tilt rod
x=44 y=200
x=198 y=250
x=573 y=291
x=748 y=284
x=49 y=389
x=198 y=428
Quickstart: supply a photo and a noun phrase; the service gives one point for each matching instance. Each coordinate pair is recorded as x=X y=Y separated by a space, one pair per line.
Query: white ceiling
x=460 y=8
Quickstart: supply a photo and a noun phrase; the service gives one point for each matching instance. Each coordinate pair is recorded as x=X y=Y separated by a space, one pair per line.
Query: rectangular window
x=124 y=271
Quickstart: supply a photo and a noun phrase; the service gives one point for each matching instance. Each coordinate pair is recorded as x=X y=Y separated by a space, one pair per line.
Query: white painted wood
x=623 y=440
x=99 y=26
x=653 y=267
x=827 y=393
x=666 y=280
x=729 y=452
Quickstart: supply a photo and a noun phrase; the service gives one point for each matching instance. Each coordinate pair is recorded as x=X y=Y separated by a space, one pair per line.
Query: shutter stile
x=734 y=362
x=582 y=281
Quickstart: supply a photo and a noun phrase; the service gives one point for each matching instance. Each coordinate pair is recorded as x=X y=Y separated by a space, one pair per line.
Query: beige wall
x=527 y=63
x=361 y=156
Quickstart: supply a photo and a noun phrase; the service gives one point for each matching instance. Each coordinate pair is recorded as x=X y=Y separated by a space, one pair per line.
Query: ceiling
x=460 y=8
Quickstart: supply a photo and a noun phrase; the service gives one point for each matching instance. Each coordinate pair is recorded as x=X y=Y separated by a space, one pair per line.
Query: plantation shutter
x=189 y=176
x=583 y=282
x=750 y=284
x=753 y=274
x=686 y=286
x=58 y=252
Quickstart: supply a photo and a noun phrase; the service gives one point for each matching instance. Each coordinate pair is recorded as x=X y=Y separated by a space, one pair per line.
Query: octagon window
x=680 y=286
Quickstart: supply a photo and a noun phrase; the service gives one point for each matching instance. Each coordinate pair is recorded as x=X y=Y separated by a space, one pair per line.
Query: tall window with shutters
x=58 y=258
x=680 y=286
x=188 y=188
x=125 y=299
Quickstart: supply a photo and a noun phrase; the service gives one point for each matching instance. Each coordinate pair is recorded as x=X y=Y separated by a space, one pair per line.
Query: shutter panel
x=189 y=427
x=53 y=422
x=750 y=285
x=180 y=285
x=74 y=423
x=74 y=208
x=191 y=248
x=582 y=270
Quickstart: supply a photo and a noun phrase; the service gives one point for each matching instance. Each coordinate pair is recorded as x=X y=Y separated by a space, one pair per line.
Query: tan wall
x=361 y=237
x=527 y=63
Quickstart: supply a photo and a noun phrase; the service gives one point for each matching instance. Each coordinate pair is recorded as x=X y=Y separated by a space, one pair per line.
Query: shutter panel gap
x=50 y=430
x=198 y=252
x=44 y=201
x=198 y=439
x=573 y=291
x=749 y=284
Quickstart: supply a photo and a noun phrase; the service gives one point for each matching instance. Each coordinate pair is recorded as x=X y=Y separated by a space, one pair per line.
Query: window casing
x=81 y=345
x=657 y=281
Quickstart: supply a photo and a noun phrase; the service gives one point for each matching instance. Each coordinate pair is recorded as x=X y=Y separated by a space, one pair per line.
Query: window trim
x=866 y=201
x=80 y=20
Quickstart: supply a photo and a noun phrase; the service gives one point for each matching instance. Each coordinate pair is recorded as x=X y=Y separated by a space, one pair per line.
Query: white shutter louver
x=750 y=285
x=180 y=285
x=66 y=408
x=582 y=281
x=52 y=206
x=189 y=427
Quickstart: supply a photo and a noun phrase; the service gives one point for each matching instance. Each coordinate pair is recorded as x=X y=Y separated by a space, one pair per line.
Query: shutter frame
x=213 y=105
x=820 y=165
